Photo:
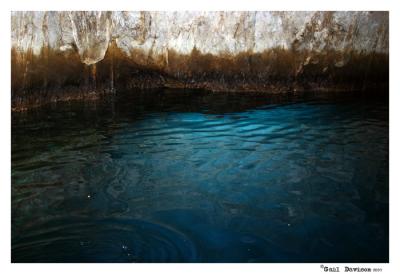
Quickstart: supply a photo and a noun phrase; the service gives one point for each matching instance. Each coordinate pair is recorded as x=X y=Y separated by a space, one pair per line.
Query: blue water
x=200 y=177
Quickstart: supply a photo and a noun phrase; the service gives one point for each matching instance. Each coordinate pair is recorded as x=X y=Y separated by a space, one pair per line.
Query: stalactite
x=91 y=32
x=111 y=48
x=45 y=48
x=94 y=74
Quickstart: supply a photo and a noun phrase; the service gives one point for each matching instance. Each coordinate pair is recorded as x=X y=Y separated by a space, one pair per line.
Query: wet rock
x=55 y=52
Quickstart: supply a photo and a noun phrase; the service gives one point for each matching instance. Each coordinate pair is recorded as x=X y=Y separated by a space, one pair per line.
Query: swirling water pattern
x=199 y=177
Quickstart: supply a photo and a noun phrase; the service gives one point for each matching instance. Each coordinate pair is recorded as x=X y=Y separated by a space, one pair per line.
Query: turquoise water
x=200 y=177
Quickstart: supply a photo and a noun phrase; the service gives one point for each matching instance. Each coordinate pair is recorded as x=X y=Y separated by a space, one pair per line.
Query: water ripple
x=106 y=240
x=238 y=180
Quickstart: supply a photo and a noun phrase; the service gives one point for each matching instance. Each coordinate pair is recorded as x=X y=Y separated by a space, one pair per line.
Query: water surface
x=189 y=176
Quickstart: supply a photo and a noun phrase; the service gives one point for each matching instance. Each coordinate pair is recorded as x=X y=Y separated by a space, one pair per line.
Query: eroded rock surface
x=234 y=51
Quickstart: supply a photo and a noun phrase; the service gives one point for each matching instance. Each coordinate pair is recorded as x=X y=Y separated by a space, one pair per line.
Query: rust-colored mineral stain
x=275 y=70
x=321 y=55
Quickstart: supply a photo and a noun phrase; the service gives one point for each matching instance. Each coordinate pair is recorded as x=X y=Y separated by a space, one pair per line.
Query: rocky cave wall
x=67 y=55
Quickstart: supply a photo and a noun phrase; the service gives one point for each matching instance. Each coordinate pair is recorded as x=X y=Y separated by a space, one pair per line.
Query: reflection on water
x=200 y=177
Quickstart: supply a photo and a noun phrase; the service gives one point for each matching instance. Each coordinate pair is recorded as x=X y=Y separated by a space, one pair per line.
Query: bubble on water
x=84 y=243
